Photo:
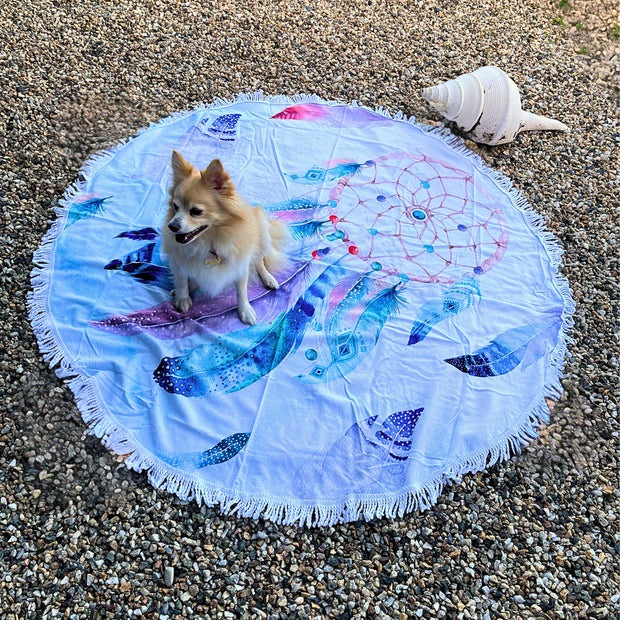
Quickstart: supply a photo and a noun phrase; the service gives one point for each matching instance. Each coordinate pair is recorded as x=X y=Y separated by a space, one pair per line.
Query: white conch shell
x=486 y=104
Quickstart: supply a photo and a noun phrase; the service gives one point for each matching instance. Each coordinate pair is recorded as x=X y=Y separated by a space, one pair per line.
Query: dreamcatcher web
x=417 y=219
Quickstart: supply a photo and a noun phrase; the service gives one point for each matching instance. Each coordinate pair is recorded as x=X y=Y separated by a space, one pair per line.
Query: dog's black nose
x=173 y=227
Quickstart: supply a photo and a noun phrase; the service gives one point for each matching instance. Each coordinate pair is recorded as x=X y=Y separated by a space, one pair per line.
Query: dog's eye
x=176 y=206
x=195 y=212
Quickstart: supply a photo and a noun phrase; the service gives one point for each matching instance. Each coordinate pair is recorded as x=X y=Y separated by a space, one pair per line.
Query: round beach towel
x=419 y=324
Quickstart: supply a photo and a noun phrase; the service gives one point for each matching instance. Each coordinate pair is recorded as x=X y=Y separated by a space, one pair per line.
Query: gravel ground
x=535 y=537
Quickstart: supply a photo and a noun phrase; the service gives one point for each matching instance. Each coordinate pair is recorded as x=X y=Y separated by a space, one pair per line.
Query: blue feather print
x=84 y=209
x=458 y=298
x=143 y=254
x=394 y=435
x=225 y=349
x=308 y=228
x=505 y=352
x=144 y=264
x=222 y=451
x=348 y=346
x=144 y=234
x=223 y=128
x=154 y=275
x=236 y=362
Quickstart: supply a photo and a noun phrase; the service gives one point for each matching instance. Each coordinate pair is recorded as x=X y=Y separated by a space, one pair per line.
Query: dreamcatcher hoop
x=409 y=225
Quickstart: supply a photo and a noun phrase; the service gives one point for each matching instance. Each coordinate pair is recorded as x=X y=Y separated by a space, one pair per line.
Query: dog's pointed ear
x=181 y=169
x=215 y=176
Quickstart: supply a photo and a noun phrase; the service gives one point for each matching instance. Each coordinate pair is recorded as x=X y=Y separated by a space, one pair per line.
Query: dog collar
x=215 y=259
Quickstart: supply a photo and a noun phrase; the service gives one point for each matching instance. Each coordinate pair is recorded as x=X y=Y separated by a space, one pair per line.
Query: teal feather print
x=295 y=204
x=506 y=351
x=226 y=349
x=309 y=228
x=221 y=452
x=348 y=346
x=318 y=174
x=83 y=209
x=353 y=297
x=458 y=298
x=239 y=360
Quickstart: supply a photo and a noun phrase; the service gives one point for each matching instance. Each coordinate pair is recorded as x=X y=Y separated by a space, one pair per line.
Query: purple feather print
x=218 y=315
x=147 y=234
x=295 y=211
x=343 y=289
x=394 y=435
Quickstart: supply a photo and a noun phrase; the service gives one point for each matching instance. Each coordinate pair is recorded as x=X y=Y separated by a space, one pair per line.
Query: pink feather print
x=303 y=112
x=331 y=116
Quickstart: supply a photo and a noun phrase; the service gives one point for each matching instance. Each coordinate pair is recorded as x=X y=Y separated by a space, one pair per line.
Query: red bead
x=334 y=219
x=315 y=255
x=353 y=249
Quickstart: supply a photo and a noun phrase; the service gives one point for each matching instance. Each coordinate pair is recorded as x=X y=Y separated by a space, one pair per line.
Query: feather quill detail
x=232 y=364
x=505 y=352
x=309 y=228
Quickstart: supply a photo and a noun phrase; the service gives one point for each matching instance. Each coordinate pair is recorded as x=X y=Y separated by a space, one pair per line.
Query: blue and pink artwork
x=419 y=323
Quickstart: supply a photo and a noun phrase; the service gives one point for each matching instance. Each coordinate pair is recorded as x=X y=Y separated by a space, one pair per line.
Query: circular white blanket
x=417 y=330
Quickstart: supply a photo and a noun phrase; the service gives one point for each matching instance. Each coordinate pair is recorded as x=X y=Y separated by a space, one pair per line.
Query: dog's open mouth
x=190 y=236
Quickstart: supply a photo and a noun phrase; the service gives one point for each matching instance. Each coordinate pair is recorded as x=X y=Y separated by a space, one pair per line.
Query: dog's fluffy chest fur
x=209 y=266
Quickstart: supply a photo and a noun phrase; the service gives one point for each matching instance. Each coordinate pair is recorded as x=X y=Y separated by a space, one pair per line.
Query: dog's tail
x=280 y=237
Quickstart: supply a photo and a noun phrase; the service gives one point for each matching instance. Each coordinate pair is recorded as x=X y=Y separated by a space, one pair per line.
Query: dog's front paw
x=270 y=282
x=247 y=314
x=183 y=304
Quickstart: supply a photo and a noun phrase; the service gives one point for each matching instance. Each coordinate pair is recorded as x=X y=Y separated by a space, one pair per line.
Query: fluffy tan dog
x=214 y=238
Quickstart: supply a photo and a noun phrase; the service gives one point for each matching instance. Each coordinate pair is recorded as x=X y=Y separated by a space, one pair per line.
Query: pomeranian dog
x=214 y=238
